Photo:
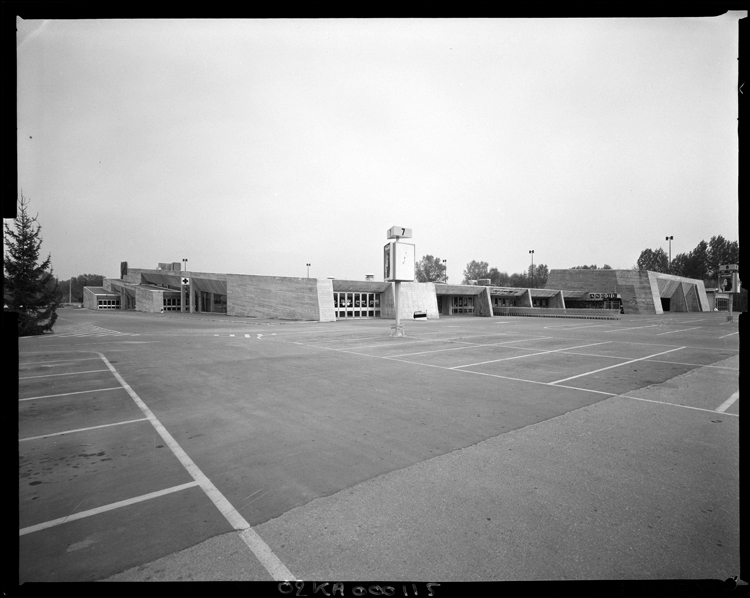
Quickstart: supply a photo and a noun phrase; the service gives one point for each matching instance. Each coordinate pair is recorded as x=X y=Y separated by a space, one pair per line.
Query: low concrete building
x=604 y=293
x=100 y=298
x=637 y=291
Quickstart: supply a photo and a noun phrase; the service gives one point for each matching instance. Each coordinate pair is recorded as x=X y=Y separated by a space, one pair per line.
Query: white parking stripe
x=65 y=394
x=33 y=363
x=617 y=365
x=473 y=346
x=673 y=331
x=529 y=355
x=672 y=404
x=130 y=421
x=633 y=328
x=728 y=403
x=730 y=334
x=105 y=508
x=260 y=549
x=66 y=374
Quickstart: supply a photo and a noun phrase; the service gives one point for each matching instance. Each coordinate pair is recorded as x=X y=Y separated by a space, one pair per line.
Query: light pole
x=445 y=271
x=531 y=251
x=669 y=264
x=308 y=270
x=184 y=293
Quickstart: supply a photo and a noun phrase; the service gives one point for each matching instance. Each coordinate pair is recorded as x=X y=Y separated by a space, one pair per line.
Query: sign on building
x=603 y=296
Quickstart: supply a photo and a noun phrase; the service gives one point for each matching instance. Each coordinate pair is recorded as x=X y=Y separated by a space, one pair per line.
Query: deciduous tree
x=476 y=270
x=430 y=269
x=655 y=261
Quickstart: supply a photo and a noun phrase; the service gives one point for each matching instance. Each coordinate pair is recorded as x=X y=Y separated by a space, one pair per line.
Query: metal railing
x=558 y=312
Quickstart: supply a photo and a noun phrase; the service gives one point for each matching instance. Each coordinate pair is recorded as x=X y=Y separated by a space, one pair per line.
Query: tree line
x=701 y=263
x=72 y=290
x=433 y=269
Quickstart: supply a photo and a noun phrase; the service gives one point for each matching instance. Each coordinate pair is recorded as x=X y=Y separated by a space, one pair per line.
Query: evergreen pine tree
x=29 y=288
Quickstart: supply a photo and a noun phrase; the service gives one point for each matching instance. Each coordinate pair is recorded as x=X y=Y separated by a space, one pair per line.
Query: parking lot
x=198 y=447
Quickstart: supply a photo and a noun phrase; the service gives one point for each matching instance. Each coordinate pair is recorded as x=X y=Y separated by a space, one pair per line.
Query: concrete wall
x=639 y=294
x=557 y=301
x=89 y=299
x=483 y=304
x=413 y=296
x=326 y=310
x=149 y=300
x=284 y=298
x=639 y=289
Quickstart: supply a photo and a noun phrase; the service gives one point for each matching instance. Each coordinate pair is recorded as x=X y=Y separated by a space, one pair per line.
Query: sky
x=259 y=146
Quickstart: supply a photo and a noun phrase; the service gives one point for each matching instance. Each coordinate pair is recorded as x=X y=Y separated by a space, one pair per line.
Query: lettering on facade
x=604 y=295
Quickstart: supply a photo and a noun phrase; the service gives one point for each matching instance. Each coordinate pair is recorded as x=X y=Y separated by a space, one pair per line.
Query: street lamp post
x=669 y=264
x=531 y=251
x=308 y=270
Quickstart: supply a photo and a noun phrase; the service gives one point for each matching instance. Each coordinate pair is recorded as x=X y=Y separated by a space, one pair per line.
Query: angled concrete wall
x=149 y=300
x=279 y=297
x=326 y=310
x=483 y=304
x=640 y=290
x=413 y=296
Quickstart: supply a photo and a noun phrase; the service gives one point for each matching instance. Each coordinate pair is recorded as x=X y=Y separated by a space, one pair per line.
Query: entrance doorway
x=356 y=305
x=665 y=303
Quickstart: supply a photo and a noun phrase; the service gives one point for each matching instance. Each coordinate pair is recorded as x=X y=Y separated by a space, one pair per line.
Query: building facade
x=572 y=292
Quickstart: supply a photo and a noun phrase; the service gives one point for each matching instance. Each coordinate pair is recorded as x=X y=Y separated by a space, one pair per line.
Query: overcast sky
x=257 y=146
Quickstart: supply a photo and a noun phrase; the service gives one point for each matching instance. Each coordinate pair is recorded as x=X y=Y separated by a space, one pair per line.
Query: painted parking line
x=55 y=362
x=730 y=334
x=130 y=421
x=474 y=346
x=257 y=545
x=555 y=384
x=695 y=365
x=104 y=508
x=576 y=327
x=672 y=404
x=617 y=365
x=728 y=403
x=529 y=355
x=65 y=394
x=65 y=374
x=633 y=328
x=673 y=331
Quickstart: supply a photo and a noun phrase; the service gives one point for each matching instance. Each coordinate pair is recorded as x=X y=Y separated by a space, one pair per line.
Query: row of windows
x=172 y=304
x=356 y=305
x=108 y=304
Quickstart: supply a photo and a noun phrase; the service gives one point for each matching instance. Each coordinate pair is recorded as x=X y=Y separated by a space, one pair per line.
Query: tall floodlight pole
x=531 y=251
x=308 y=270
x=70 y=292
x=445 y=271
x=669 y=264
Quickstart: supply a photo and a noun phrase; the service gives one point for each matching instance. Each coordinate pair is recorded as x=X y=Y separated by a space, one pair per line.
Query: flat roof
x=102 y=291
